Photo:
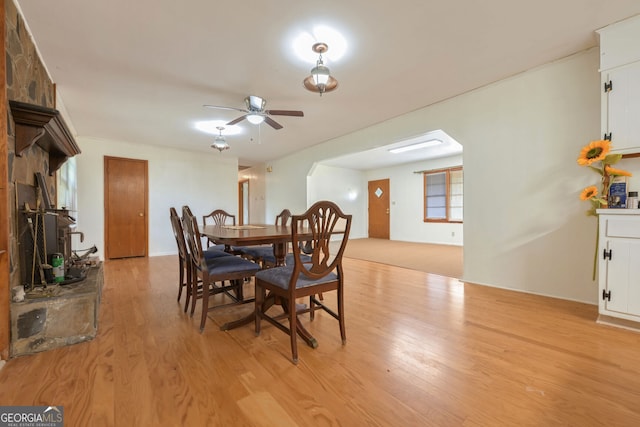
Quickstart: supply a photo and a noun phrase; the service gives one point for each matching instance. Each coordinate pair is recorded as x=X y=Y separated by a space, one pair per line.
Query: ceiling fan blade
x=219 y=107
x=272 y=123
x=285 y=113
x=238 y=120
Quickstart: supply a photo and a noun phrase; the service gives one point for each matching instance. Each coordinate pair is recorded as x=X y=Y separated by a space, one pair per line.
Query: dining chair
x=218 y=217
x=323 y=228
x=183 y=256
x=208 y=271
x=263 y=254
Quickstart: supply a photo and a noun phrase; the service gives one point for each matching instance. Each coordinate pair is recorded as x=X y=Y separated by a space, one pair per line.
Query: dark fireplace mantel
x=43 y=126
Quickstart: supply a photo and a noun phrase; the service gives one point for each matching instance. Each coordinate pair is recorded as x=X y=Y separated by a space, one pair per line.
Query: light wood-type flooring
x=422 y=350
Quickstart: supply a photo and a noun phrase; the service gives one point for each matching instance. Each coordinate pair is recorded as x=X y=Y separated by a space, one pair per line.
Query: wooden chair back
x=178 y=233
x=192 y=233
x=184 y=263
x=219 y=217
x=284 y=217
x=313 y=233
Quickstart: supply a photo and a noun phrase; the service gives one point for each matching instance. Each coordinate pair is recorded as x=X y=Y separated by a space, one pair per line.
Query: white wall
x=525 y=227
x=407 y=204
x=345 y=187
x=524 y=224
x=176 y=178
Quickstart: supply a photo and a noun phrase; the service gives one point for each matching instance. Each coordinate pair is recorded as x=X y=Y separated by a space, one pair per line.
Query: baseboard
x=620 y=323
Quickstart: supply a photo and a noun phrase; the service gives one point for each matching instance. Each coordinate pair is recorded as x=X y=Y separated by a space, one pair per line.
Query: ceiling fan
x=255 y=112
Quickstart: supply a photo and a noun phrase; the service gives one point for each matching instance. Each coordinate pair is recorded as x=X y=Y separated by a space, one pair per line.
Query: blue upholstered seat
x=255 y=252
x=281 y=276
x=230 y=264
x=215 y=252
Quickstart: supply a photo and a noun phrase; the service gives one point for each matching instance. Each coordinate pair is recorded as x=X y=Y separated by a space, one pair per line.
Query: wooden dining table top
x=252 y=234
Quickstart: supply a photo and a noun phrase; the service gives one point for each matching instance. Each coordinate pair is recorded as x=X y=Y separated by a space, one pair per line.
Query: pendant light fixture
x=219 y=142
x=320 y=80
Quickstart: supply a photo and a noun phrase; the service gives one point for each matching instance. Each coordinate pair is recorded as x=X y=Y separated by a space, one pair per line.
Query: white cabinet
x=620 y=74
x=621 y=107
x=619 y=43
x=619 y=265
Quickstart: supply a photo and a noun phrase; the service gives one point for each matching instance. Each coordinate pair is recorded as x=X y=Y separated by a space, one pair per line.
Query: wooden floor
x=422 y=350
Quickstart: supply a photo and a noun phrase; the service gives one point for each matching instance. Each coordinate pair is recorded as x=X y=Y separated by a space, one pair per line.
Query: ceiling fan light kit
x=320 y=80
x=255 y=119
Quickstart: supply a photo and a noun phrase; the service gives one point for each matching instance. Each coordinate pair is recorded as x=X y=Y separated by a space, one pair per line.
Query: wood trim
x=43 y=126
x=447 y=183
x=5 y=292
x=241 y=206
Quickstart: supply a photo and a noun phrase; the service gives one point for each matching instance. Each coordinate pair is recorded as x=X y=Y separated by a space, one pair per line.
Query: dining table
x=279 y=236
x=255 y=234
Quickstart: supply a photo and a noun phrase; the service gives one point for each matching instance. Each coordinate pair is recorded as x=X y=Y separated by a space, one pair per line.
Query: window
x=443 y=196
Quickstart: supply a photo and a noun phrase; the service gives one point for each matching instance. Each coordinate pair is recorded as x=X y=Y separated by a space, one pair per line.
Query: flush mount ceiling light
x=320 y=80
x=219 y=142
x=417 y=146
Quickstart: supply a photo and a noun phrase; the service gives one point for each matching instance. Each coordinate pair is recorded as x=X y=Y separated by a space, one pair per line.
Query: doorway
x=243 y=201
x=125 y=207
x=379 y=223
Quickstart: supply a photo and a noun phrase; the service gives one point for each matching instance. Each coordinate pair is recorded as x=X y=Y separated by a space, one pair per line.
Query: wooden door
x=125 y=205
x=379 y=209
x=243 y=202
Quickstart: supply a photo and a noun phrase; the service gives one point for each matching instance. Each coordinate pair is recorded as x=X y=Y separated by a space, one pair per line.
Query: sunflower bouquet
x=596 y=156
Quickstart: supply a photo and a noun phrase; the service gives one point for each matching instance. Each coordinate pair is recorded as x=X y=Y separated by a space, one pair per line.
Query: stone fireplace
x=38 y=144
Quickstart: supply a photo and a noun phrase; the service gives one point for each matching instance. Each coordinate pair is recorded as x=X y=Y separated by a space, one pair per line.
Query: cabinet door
x=623 y=276
x=622 y=108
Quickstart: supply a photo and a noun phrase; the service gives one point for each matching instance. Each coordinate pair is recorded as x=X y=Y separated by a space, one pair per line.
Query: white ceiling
x=140 y=70
x=381 y=156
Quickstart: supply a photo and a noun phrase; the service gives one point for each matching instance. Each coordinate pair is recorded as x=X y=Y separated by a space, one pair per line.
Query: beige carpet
x=444 y=260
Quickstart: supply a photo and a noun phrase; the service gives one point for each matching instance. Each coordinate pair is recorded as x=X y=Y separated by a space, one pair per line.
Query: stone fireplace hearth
x=57 y=315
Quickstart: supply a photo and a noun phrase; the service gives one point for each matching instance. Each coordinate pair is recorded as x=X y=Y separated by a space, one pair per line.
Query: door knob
x=141 y=214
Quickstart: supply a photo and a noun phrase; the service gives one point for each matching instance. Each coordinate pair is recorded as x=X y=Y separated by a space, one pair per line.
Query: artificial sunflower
x=598 y=151
x=594 y=152
x=611 y=171
x=589 y=193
